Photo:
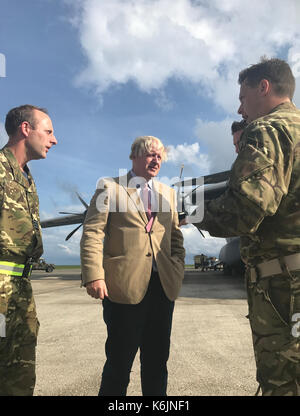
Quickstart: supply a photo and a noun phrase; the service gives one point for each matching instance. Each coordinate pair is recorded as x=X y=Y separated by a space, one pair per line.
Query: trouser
x=147 y=326
x=274 y=313
x=18 y=335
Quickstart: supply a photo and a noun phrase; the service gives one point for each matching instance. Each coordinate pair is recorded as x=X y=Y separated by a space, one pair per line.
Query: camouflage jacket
x=262 y=202
x=20 y=232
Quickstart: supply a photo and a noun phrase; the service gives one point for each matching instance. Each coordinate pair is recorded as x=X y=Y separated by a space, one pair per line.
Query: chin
x=153 y=173
x=38 y=157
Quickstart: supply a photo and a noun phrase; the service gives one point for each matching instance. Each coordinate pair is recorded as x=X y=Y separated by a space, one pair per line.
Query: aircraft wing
x=68 y=220
x=208 y=179
x=211 y=191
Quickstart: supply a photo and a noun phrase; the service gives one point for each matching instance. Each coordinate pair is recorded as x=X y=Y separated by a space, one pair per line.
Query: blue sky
x=111 y=70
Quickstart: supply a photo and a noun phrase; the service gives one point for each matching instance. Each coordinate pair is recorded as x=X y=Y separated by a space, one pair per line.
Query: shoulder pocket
x=250 y=163
x=254 y=176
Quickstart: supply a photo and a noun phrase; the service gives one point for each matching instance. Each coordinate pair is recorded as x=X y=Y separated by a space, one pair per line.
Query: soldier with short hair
x=261 y=205
x=30 y=133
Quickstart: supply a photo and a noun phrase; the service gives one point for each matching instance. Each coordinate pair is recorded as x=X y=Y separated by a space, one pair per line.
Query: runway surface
x=211 y=347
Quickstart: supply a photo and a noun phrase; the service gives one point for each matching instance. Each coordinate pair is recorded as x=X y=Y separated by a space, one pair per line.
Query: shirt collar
x=150 y=182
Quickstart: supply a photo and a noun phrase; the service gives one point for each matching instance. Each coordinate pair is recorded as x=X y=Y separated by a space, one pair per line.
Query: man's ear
x=25 y=128
x=264 y=87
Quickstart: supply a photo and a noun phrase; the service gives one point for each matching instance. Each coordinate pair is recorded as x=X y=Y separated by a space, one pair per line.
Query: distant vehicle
x=198 y=261
x=42 y=265
x=207 y=263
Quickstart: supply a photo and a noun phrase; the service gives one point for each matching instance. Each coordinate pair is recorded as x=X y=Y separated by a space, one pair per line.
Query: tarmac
x=211 y=345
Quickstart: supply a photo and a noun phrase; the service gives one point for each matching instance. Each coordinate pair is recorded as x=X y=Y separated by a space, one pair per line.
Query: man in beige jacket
x=132 y=257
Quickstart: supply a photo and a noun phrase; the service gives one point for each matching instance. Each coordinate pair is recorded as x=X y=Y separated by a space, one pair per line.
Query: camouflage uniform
x=20 y=239
x=262 y=205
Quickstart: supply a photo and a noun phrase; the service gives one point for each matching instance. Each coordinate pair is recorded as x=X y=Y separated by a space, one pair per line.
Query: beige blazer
x=116 y=247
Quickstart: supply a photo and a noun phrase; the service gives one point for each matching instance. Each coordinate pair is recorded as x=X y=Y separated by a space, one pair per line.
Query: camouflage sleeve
x=2 y=176
x=258 y=180
x=1 y=196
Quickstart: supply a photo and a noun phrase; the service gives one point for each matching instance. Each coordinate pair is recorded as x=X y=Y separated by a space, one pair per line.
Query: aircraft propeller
x=73 y=232
x=84 y=214
x=82 y=201
x=180 y=197
x=213 y=185
x=72 y=218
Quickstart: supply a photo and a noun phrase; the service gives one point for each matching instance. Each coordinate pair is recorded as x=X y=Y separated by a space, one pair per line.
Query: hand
x=183 y=222
x=97 y=289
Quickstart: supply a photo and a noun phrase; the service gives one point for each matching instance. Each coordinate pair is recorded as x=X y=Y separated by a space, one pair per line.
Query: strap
x=273 y=267
x=12 y=269
x=15 y=269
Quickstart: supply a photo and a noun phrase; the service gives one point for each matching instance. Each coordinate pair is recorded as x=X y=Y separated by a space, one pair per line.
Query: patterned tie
x=147 y=205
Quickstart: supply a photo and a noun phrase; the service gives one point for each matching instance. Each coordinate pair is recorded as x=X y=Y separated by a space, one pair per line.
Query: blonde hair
x=144 y=144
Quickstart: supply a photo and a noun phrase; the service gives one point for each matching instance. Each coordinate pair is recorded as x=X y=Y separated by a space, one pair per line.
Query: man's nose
x=53 y=140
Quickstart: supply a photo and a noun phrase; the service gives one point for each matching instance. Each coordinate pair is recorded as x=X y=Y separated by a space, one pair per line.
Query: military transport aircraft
x=211 y=185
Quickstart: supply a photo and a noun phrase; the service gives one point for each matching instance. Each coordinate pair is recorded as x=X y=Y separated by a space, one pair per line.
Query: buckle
x=254 y=274
x=27 y=267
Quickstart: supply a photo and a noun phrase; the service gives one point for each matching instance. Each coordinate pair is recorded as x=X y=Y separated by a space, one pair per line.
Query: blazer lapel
x=163 y=201
x=135 y=199
x=157 y=191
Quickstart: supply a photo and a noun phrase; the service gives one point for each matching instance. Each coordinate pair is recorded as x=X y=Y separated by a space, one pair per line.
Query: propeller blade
x=72 y=232
x=82 y=201
x=201 y=233
x=180 y=204
x=70 y=213
x=181 y=170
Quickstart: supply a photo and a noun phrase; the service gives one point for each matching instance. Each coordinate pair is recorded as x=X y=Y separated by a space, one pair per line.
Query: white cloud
x=294 y=59
x=189 y=154
x=56 y=249
x=194 y=243
x=67 y=250
x=59 y=251
x=163 y=101
x=213 y=153
x=205 y=42
x=3 y=135
x=217 y=139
